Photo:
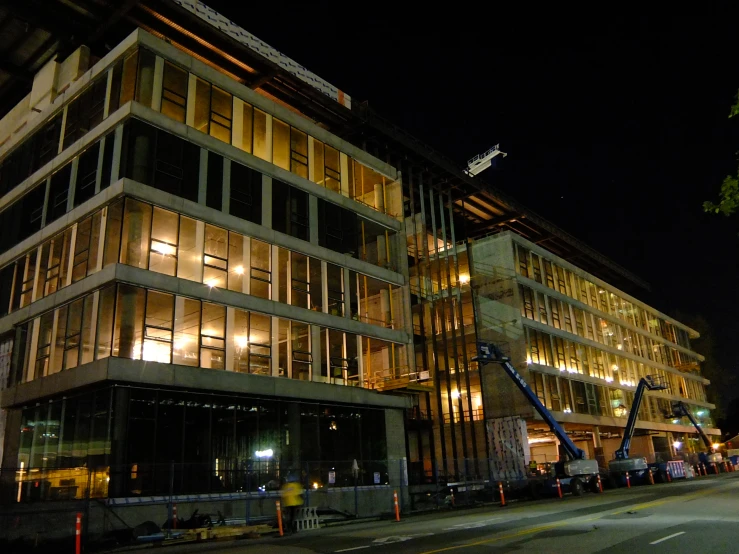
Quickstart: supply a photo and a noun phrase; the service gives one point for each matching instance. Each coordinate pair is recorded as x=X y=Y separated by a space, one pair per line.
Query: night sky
x=616 y=130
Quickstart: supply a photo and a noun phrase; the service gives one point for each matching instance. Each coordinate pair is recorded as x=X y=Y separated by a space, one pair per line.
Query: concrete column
x=105 y=142
x=115 y=171
x=72 y=183
x=395 y=436
x=11 y=448
x=385 y=314
x=190 y=111
x=379 y=198
x=230 y=321
x=142 y=154
x=237 y=129
x=317 y=354
x=276 y=346
x=108 y=92
x=344 y=165
x=119 y=474
x=347 y=293
x=158 y=78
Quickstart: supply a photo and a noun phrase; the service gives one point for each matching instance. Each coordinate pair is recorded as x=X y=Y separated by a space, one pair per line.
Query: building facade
x=192 y=274
x=212 y=260
x=582 y=345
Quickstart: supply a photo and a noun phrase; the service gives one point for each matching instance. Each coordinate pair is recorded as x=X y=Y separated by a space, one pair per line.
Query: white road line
x=668 y=537
x=355 y=548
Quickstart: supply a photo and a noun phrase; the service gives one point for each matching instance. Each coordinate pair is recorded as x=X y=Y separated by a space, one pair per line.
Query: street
x=699 y=515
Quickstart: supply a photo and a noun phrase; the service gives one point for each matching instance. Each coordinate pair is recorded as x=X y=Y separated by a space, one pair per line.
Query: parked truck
x=575 y=474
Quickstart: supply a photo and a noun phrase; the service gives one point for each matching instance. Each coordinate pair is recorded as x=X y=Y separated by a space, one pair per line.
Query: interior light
x=464 y=279
x=241 y=341
x=455 y=394
x=700 y=413
x=264 y=453
x=211 y=282
x=162 y=248
x=614 y=367
x=677 y=445
x=715 y=446
x=239 y=270
x=315 y=485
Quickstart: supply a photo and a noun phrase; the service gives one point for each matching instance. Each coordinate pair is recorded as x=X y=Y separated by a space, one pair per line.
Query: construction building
x=212 y=257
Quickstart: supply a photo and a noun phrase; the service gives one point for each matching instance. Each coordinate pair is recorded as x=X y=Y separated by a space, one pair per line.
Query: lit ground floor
x=128 y=428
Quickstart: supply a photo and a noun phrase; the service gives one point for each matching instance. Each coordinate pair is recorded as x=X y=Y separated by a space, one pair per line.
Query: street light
x=264 y=453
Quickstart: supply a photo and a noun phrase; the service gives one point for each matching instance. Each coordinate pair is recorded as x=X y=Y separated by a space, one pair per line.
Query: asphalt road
x=699 y=516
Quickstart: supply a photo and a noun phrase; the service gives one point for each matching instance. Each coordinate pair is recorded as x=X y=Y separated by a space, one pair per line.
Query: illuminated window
x=158 y=330
x=213 y=336
x=280 y=144
x=299 y=153
x=164 y=234
x=186 y=346
x=261 y=147
x=174 y=92
x=216 y=257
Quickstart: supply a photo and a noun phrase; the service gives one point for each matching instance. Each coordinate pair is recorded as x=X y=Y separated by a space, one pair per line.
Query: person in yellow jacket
x=292 y=498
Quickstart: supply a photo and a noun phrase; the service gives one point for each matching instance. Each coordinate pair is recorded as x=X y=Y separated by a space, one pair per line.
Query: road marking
x=576 y=521
x=668 y=537
x=355 y=548
x=473 y=525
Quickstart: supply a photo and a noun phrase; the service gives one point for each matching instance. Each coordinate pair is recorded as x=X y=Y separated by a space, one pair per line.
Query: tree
x=729 y=194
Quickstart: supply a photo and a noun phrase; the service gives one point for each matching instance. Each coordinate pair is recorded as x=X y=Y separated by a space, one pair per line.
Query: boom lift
x=573 y=473
x=637 y=467
x=679 y=409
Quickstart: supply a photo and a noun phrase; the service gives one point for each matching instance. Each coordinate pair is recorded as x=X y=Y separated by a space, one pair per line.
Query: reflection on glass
x=186 y=345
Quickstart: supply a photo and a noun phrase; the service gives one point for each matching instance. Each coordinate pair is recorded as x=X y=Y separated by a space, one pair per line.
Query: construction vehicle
x=574 y=474
x=637 y=468
x=679 y=409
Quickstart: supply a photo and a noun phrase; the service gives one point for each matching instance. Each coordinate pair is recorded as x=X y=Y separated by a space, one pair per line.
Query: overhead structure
x=481 y=162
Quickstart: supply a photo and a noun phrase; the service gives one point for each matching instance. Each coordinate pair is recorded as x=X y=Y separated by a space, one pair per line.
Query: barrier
x=650 y=476
x=559 y=488
x=675 y=469
x=279 y=517
x=174 y=516
x=306 y=519
x=628 y=480
x=395 y=501
x=600 y=484
x=78 y=534
x=500 y=490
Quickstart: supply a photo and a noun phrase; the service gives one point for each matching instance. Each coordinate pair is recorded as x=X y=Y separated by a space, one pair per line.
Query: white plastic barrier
x=306 y=518
x=676 y=469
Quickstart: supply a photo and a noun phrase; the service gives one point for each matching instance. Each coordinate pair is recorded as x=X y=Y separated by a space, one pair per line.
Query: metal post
x=248 y=493
x=171 y=494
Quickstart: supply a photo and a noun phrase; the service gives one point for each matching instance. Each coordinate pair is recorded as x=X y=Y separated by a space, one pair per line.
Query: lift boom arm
x=679 y=409
x=645 y=383
x=489 y=353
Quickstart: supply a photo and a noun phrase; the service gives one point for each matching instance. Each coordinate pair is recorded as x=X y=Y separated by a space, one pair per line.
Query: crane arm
x=679 y=409
x=489 y=353
x=645 y=383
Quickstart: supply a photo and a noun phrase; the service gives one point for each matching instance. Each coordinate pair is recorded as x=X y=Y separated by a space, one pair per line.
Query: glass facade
x=581 y=309
x=128 y=441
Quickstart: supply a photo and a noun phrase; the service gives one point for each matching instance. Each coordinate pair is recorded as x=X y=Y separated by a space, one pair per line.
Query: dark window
x=22 y=218
x=108 y=143
x=87 y=170
x=289 y=210
x=337 y=228
x=45 y=143
x=246 y=193
x=58 y=193
x=214 y=190
x=6 y=284
x=161 y=160
x=85 y=112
